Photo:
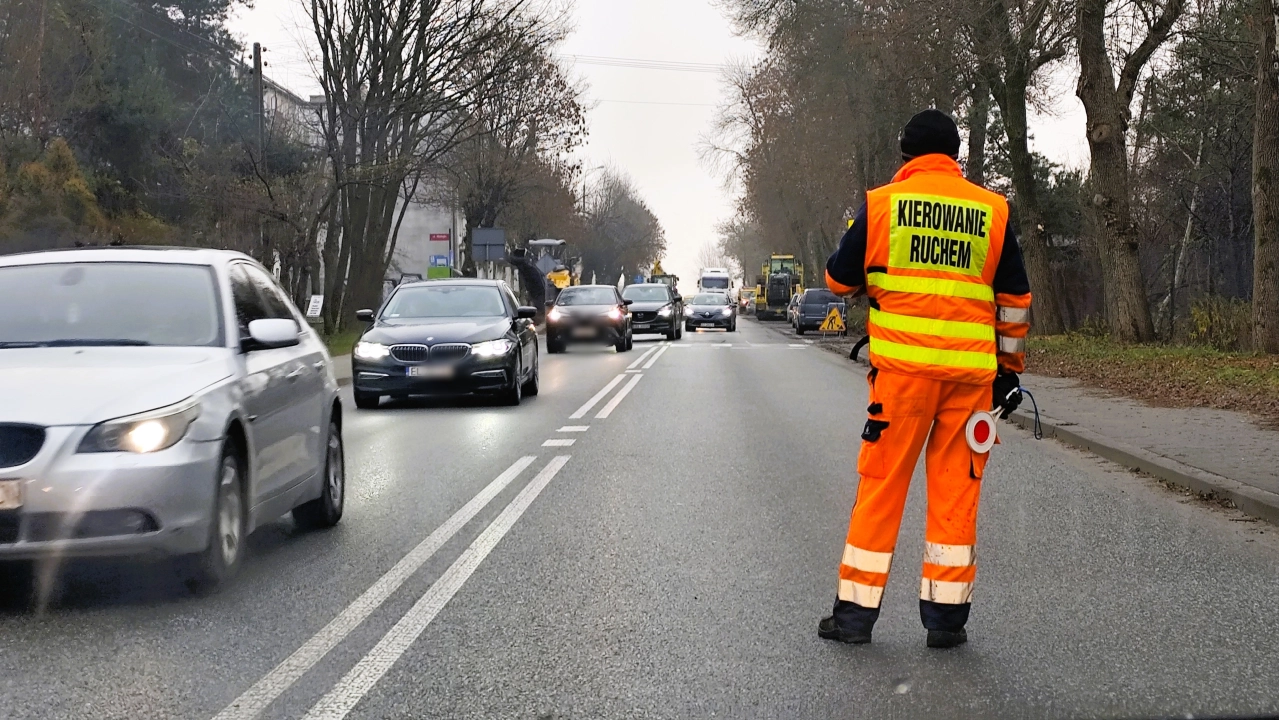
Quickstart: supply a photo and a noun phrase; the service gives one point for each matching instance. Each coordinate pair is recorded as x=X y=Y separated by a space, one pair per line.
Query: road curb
x=1250 y=500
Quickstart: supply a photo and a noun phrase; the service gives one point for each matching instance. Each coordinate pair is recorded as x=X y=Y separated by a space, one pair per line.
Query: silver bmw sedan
x=159 y=402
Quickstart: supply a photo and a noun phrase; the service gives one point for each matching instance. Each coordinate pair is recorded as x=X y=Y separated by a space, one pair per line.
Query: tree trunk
x=978 y=118
x=1046 y=310
x=1265 y=186
x=1168 y=308
x=1127 y=309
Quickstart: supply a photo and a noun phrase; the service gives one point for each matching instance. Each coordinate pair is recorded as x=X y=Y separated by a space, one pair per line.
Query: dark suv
x=656 y=308
x=813 y=307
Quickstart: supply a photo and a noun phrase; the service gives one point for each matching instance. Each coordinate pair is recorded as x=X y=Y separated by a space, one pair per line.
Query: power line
x=653 y=102
x=645 y=64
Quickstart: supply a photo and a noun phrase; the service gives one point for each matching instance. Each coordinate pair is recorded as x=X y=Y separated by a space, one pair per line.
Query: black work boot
x=848 y=623
x=947 y=638
x=830 y=629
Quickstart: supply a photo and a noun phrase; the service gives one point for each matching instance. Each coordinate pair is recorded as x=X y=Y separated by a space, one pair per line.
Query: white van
x=716 y=280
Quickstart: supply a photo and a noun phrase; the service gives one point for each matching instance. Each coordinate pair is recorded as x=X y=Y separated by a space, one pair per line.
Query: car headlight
x=554 y=315
x=688 y=311
x=371 y=350
x=142 y=433
x=614 y=314
x=726 y=311
x=665 y=312
x=492 y=348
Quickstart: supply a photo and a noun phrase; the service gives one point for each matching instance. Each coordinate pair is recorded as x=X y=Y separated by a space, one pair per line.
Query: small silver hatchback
x=159 y=402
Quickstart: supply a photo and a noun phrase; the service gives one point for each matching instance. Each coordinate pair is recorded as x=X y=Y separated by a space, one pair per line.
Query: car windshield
x=444 y=301
x=820 y=297
x=715 y=282
x=646 y=293
x=109 y=303
x=709 y=299
x=587 y=296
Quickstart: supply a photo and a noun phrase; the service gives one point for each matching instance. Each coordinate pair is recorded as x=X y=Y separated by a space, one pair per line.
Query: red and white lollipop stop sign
x=981 y=432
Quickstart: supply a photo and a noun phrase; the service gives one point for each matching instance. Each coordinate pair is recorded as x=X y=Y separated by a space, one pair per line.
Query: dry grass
x=1163 y=375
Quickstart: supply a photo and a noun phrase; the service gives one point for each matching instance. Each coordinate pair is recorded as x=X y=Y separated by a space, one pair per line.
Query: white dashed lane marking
x=574 y=428
x=559 y=442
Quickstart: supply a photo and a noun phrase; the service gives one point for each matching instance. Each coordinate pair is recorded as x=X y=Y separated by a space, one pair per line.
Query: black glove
x=1006 y=392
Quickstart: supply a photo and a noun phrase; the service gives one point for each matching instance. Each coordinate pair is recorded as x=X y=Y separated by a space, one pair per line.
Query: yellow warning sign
x=834 y=322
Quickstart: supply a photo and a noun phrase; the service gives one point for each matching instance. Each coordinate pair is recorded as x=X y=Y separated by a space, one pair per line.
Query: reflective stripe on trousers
x=927 y=416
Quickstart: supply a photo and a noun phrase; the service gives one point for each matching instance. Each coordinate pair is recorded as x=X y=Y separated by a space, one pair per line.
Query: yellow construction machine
x=780 y=278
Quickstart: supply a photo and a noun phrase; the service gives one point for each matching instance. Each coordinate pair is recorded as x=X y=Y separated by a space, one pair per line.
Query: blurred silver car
x=159 y=402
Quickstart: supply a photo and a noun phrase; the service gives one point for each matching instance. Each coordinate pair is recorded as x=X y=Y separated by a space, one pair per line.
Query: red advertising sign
x=439 y=237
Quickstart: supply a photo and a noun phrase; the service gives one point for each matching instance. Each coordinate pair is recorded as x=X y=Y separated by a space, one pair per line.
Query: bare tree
x=622 y=233
x=401 y=85
x=534 y=118
x=1265 y=183
x=1013 y=42
x=1107 y=101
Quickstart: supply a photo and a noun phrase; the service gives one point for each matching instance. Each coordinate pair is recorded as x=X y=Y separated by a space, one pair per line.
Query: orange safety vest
x=933 y=241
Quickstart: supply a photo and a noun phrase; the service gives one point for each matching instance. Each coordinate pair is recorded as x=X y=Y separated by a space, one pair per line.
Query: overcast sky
x=646 y=122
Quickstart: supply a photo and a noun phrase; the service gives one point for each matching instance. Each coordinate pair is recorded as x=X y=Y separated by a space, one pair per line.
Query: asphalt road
x=672 y=562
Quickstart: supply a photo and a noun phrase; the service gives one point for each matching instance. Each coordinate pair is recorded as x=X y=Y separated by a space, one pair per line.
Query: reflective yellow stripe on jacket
x=933 y=356
x=929 y=326
x=931 y=286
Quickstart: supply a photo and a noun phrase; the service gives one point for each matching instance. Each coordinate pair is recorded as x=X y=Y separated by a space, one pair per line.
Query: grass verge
x=341 y=343
x=1163 y=375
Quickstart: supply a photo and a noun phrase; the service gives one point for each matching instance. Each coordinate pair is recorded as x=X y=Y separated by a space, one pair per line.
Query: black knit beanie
x=931 y=131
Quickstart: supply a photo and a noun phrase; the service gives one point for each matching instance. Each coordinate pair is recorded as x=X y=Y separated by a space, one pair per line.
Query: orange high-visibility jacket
x=939 y=260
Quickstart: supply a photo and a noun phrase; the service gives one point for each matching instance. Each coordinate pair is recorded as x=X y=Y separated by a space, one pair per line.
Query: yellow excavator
x=658 y=275
x=780 y=278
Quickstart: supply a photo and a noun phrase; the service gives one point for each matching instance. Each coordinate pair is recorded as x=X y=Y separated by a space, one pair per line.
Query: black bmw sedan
x=447 y=337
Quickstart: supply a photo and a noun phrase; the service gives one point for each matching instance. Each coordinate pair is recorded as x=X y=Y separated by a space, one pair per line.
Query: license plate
x=641 y=326
x=711 y=324
x=433 y=372
x=584 y=332
x=10 y=494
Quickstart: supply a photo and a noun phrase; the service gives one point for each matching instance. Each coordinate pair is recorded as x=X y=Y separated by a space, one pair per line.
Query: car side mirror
x=550 y=303
x=628 y=302
x=364 y=315
x=526 y=312
x=272 y=333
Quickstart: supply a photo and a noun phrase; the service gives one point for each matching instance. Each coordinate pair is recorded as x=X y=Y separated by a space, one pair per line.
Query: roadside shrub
x=1221 y=323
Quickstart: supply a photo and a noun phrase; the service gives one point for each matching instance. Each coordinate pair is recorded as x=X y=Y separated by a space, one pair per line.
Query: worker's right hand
x=1006 y=392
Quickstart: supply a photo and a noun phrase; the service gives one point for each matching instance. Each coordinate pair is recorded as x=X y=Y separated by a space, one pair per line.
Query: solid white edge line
x=352 y=688
x=598 y=396
x=653 y=359
x=256 y=699
x=617 y=399
x=640 y=359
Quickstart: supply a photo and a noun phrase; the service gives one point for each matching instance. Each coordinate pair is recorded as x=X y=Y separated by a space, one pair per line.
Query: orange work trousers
x=904 y=413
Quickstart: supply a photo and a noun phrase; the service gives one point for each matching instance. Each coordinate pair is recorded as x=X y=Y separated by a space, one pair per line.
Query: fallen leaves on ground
x=1162 y=375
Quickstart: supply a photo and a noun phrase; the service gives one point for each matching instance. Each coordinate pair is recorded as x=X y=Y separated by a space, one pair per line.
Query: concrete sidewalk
x=342 y=369
x=1217 y=452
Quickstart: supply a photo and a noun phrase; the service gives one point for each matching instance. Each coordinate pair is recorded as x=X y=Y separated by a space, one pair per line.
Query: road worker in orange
x=948 y=317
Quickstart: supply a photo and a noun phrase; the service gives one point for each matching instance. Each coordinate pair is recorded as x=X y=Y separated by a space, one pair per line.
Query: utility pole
x=259 y=91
